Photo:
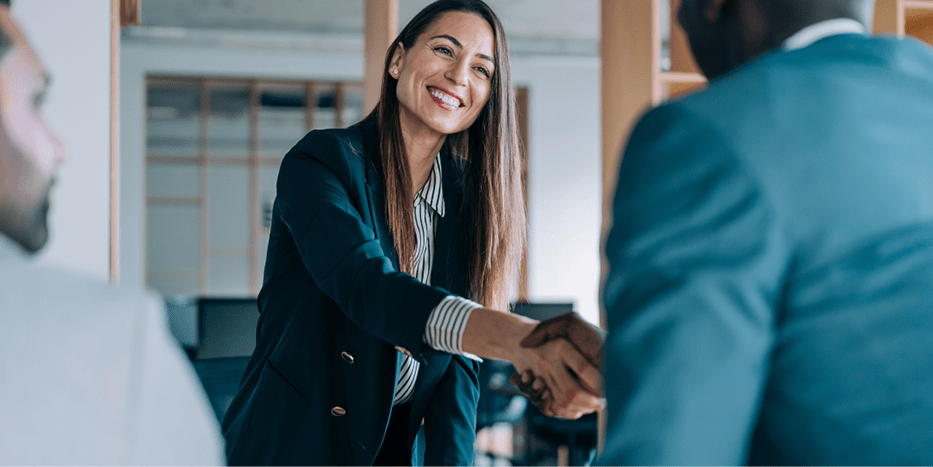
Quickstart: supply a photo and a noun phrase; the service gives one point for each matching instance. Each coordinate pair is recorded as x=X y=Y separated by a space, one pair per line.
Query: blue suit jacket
x=770 y=294
x=332 y=287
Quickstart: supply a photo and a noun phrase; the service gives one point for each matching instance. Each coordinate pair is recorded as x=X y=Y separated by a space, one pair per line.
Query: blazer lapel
x=376 y=194
x=447 y=271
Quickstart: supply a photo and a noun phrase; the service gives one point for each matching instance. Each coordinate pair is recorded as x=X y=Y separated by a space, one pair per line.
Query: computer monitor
x=541 y=311
x=226 y=327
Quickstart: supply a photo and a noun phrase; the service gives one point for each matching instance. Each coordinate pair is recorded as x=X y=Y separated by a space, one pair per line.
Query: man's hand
x=588 y=339
x=560 y=380
x=533 y=388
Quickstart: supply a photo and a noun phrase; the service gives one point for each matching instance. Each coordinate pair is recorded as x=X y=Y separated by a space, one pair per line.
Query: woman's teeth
x=446 y=98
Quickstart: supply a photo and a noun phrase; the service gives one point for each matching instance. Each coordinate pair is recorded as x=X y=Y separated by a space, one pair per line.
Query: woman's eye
x=482 y=70
x=443 y=50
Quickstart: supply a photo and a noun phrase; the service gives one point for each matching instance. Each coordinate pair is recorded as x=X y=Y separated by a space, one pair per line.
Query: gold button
x=403 y=350
x=347 y=357
x=338 y=411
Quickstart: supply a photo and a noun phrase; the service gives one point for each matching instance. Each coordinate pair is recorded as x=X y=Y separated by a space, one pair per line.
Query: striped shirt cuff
x=444 y=331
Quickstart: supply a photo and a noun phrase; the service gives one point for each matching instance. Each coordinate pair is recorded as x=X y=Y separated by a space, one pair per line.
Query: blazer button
x=403 y=350
x=338 y=411
x=349 y=358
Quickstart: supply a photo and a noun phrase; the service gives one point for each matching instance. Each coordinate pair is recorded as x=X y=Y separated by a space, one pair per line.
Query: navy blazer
x=337 y=316
x=770 y=293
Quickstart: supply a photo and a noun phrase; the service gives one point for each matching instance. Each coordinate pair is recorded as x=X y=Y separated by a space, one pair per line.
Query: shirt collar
x=822 y=30
x=433 y=190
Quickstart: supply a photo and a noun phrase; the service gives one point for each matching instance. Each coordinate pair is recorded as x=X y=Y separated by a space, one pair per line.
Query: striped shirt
x=444 y=330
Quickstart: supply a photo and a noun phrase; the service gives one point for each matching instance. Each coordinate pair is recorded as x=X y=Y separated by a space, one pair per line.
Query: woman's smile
x=445 y=99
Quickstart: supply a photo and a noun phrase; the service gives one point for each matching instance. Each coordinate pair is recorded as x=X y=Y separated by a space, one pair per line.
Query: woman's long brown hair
x=494 y=224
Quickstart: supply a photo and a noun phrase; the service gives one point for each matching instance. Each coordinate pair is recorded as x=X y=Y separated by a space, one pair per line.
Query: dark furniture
x=226 y=338
x=226 y=327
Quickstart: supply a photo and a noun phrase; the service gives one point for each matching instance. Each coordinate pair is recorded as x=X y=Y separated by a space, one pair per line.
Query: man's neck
x=769 y=24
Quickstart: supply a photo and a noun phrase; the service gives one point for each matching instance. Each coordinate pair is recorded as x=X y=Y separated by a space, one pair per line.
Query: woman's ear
x=398 y=61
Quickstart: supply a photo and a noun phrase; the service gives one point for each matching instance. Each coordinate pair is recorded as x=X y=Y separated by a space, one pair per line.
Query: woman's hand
x=573 y=383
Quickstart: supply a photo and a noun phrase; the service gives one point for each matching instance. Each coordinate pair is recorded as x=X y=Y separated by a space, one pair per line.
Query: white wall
x=564 y=179
x=564 y=168
x=72 y=38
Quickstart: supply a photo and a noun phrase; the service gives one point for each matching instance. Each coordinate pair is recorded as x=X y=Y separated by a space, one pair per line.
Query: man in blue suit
x=770 y=294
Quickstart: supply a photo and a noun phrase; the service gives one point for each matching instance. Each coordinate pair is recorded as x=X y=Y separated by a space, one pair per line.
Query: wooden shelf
x=918 y=19
x=918 y=4
x=671 y=77
x=900 y=17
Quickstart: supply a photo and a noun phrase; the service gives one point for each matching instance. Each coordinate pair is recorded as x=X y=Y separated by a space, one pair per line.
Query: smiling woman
x=385 y=238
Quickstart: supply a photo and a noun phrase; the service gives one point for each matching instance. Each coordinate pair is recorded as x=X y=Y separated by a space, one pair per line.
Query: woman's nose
x=457 y=72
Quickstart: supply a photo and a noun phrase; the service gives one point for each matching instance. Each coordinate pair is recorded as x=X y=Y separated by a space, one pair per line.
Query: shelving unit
x=632 y=75
x=918 y=19
x=905 y=17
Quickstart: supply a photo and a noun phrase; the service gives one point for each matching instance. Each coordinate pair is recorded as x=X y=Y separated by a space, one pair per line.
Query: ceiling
x=552 y=19
x=533 y=26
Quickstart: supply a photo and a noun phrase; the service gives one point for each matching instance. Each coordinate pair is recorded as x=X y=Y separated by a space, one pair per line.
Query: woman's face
x=444 y=79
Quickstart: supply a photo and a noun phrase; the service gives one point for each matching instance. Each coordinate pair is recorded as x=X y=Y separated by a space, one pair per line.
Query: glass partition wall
x=213 y=151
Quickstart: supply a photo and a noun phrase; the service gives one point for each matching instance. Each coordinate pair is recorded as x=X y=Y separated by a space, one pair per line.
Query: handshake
x=566 y=381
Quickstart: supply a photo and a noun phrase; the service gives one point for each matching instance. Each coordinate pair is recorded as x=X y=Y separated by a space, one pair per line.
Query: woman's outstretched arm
x=574 y=383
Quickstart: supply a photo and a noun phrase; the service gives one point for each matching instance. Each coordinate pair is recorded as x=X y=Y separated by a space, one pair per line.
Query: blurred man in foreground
x=88 y=373
x=770 y=294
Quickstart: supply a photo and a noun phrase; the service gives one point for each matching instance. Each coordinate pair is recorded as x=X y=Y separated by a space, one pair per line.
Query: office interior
x=177 y=112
